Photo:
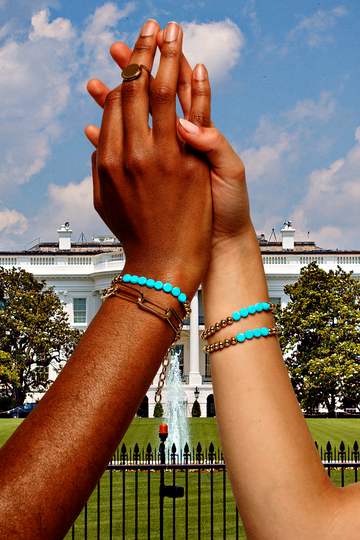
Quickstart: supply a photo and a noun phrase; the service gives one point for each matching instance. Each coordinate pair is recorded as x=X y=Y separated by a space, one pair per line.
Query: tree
x=321 y=338
x=196 y=409
x=158 y=410
x=34 y=333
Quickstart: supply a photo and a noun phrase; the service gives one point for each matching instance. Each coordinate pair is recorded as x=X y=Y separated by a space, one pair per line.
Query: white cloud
x=267 y=159
x=309 y=109
x=250 y=11
x=72 y=202
x=316 y=28
x=59 y=29
x=268 y=166
x=272 y=160
x=12 y=221
x=5 y=30
x=218 y=45
x=330 y=208
x=104 y=17
x=35 y=86
x=99 y=34
x=74 y=197
x=273 y=147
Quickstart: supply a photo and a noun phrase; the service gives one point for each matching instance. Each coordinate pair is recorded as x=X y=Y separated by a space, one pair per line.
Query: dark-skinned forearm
x=68 y=440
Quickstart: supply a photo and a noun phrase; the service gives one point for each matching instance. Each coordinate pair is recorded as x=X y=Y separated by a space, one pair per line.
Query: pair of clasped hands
x=173 y=193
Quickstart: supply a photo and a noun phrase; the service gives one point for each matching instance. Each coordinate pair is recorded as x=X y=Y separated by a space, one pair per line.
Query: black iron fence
x=154 y=494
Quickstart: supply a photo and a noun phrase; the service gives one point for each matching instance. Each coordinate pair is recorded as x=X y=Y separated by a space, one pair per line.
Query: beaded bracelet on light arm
x=240 y=338
x=236 y=316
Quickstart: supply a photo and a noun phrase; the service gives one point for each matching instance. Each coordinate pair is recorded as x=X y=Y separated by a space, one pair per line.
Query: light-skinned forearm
x=279 y=482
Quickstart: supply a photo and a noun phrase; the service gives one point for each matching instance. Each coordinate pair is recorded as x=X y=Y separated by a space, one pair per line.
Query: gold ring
x=133 y=71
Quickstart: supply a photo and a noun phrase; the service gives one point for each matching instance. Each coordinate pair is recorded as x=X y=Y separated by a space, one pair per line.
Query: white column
x=194 y=374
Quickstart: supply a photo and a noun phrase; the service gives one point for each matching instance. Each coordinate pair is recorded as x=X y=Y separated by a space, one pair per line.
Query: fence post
x=163 y=433
x=355 y=457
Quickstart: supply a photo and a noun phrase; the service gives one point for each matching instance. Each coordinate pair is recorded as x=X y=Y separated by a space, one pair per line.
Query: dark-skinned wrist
x=180 y=274
x=181 y=280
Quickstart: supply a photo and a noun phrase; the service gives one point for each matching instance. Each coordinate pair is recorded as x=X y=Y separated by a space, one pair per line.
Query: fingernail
x=149 y=28
x=171 y=32
x=189 y=126
x=200 y=72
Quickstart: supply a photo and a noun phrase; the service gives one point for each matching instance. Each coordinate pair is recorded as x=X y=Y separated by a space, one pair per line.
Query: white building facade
x=80 y=271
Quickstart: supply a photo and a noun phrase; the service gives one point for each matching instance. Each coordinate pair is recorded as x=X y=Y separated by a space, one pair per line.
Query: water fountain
x=176 y=404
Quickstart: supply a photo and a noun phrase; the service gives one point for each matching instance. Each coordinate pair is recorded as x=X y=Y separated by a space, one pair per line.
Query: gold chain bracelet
x=124 y=291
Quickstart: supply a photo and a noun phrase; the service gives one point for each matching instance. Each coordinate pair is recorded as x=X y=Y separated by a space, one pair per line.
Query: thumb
x=222 y=157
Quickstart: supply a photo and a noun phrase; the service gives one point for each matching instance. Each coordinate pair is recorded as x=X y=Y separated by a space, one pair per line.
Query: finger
x=98 y=91
x=110 y=144
x=135 y=94
x=201 y=97
x=93 y=134
x=184 y=86
x=121 y=54
x=164 y=86
x=224 y=160
x=96 y=187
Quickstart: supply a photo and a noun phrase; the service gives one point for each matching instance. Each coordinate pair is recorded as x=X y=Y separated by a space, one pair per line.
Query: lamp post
x=163 y=433
x=173 y=492
x=196 y=410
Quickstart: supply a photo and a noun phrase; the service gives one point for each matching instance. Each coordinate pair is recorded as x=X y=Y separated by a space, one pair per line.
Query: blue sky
x=286 y=87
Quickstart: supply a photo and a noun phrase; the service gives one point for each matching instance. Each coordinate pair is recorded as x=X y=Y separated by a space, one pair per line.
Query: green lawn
x=7 y=427
x=139 y=482
x=335 y=430
x=145 y=430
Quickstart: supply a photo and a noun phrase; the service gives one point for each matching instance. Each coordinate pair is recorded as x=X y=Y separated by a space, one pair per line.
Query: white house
x=79 y=271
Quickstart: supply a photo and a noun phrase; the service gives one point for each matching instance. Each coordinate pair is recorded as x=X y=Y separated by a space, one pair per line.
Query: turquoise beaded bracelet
x=240 y=338
x=237 y=315
x=157 y=285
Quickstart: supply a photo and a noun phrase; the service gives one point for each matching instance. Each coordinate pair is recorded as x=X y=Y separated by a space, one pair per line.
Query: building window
x=179 y=349
x=207 y=378
x=275 y=300
x=80 y=310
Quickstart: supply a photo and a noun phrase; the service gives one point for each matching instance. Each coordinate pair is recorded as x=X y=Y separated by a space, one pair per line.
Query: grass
x=145 y=430
x=139 y=482
x=7 y=427
x=335 y=430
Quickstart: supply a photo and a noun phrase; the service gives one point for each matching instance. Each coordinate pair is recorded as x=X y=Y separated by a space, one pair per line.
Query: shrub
x=158 y=410
x=196 y=409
